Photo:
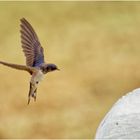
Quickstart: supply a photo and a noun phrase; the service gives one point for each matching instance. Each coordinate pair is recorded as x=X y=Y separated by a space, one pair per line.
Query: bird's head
x=49 y=68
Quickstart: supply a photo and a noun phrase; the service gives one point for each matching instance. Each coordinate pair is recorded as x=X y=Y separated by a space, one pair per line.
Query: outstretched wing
x=19 y=67
x=31 y=45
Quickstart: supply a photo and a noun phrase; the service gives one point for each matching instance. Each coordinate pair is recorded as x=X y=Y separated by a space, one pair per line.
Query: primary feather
x=19 y=67
x=31 y=45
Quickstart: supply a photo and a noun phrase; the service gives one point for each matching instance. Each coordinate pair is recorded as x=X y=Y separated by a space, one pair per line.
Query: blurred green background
x=97 y=47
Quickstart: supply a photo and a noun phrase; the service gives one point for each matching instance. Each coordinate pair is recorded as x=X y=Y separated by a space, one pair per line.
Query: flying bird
x=35 y=63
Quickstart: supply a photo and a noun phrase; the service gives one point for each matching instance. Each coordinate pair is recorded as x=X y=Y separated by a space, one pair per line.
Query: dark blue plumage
x=35 y=63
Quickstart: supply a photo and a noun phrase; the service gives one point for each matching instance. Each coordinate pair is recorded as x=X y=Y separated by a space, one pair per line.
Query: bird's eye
x=36 y=82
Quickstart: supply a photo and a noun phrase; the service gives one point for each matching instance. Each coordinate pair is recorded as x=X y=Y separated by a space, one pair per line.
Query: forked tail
x=32 y=92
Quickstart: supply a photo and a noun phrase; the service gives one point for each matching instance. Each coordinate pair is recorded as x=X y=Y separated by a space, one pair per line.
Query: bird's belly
x=39 y=76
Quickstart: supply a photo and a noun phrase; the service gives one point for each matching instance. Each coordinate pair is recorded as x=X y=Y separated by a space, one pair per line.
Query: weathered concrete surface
x=123 y=120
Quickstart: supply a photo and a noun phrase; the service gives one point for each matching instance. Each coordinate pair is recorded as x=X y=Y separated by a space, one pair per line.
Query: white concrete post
x=123 y=120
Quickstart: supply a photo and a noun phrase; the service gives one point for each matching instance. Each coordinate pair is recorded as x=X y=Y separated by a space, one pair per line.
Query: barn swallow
x=35 y=63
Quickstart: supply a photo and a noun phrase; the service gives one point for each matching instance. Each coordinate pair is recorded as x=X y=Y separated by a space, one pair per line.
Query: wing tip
x=22 y=19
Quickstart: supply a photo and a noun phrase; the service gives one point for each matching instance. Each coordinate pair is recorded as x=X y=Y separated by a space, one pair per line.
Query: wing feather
x=27 y=30
x=31 y=45
x=27 y=36
x=19 y=67
x=29 y=27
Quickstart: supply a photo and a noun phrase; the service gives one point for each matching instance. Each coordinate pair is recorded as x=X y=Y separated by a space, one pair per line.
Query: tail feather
x=29 y=95
x=32 y=92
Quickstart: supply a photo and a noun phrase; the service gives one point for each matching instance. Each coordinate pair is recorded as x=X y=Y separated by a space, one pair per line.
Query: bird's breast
x=37 y=77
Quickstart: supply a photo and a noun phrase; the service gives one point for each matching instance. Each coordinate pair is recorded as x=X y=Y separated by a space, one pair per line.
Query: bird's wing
x=19 y=67
x=31 y=45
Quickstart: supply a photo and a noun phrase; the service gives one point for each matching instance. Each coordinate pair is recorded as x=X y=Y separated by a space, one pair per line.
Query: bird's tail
x=32 y=92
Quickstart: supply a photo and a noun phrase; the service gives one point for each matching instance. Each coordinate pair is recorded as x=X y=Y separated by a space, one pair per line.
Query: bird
x=34 y=54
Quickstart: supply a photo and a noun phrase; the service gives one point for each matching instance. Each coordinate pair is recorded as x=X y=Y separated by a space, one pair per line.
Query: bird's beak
x=58 y=69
